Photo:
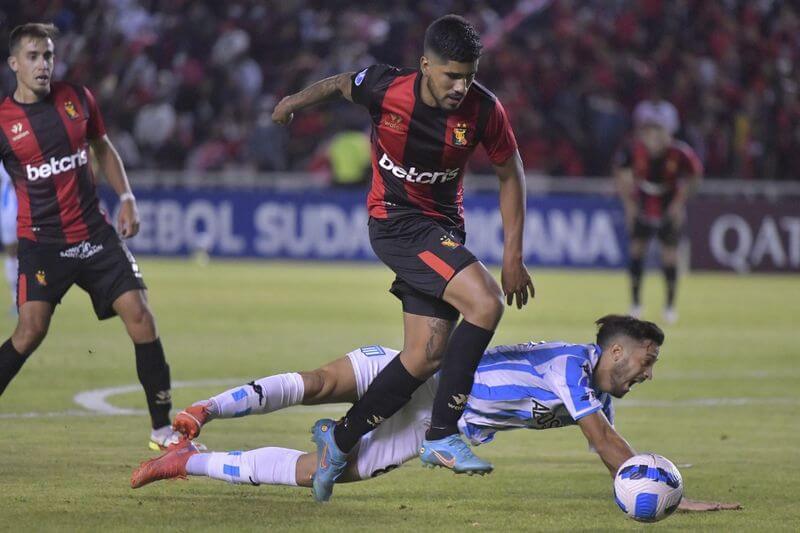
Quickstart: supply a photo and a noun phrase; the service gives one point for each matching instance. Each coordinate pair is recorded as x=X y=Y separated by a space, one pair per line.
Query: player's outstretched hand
x=695 y=506
x=282 y=114
x=517 y=283
x=128 y=220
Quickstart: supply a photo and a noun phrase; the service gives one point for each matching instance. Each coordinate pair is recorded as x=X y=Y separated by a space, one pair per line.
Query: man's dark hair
x=610 y=326
x=453 y=38
x=34 y=30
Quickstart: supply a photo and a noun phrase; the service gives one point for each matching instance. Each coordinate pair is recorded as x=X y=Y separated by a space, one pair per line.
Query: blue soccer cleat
x=331 y=461
x=453 y=453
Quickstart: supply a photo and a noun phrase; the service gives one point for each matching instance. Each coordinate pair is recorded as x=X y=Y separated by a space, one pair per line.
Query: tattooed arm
x=321 y=91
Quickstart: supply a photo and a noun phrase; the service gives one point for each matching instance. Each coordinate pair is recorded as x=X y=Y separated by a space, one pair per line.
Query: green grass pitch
x=724 y=400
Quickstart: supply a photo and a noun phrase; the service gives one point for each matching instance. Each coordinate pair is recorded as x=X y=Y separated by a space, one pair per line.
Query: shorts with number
x=102 y=266
x=425 y=255
x=397 y=439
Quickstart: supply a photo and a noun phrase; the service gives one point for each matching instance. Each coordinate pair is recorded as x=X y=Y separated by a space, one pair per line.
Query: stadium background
x=187 y=90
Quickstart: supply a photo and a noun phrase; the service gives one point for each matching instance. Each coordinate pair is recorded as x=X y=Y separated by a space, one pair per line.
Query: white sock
x=258 y=397
x=270 y=466
x=11 y=276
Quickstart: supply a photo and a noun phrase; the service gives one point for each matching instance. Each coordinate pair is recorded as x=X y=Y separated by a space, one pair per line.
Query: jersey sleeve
x=369 y=82
x=498 y=138
x=95 y=128
x=572 y=384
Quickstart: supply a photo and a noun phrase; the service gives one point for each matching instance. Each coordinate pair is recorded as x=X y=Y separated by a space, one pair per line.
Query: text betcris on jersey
x=414 y=176
x=57 y=165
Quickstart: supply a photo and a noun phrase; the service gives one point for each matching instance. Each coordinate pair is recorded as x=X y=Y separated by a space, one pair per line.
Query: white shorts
x=397 y=439
x=8 y=209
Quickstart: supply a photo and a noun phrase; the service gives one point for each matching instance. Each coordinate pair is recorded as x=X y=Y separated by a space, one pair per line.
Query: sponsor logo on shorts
x=460 y=134
x=57 y=166
x=83 y=250
x=41 y=279
x=412 y=175
x=69 y=107
x=360 y=77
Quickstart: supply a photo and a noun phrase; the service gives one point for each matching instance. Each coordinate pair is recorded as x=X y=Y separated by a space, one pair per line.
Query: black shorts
x=668 y=233
x=102 y=266
x=425 y=255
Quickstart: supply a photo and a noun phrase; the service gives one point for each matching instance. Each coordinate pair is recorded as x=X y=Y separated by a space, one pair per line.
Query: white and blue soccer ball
x=648 y=487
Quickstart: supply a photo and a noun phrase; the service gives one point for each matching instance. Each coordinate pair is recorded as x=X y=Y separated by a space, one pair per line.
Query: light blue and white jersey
x=535 y=386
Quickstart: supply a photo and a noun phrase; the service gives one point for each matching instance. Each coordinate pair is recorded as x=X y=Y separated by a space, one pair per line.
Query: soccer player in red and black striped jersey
x=426 y=123
x=46 y=132
x=655 y=176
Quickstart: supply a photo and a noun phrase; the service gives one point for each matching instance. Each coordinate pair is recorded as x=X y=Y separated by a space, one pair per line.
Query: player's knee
x=141 y=324
x=485 y=309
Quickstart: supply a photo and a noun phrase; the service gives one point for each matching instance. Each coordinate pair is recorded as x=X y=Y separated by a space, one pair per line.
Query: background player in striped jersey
x=8 y=233
x=46 y=131
x=426 y=123
x=656 y=174
x=532 y=385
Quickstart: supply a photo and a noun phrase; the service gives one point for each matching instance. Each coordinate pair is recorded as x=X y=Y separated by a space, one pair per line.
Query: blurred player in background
x=531 y=385
x=46 y=131
x=8 y=233
x=655 y=175
x=426 y=123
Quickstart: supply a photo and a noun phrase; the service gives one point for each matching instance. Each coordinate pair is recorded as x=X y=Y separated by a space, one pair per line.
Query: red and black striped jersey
x=419 y=152
x=44 y=146
x=657 y=179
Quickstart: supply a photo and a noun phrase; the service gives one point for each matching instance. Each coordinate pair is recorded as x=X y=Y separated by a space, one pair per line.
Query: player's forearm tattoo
x=321 y=91
x=440 y=332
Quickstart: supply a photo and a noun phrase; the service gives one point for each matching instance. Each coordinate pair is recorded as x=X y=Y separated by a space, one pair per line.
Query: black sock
x=636 y=267
x=671 y=277
x=389 y=391
x=153 y=371
x=10 y=363
x=464 y=352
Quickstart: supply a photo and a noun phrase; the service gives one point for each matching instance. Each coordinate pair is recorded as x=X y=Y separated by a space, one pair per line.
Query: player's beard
x=619 y=379
x=443 y=103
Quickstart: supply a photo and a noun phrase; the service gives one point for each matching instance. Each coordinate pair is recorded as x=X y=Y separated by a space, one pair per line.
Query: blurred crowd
x=191 y=84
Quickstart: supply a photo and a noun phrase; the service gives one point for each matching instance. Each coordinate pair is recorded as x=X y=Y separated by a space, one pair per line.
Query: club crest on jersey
x=72 y=113
x=392 y=120
x=447 y=242
x=40 y=278
x=460 y=134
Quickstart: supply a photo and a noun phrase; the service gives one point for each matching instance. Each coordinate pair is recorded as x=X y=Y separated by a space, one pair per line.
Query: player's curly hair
x=36 y=30
x=452 y=37
x=610 y=326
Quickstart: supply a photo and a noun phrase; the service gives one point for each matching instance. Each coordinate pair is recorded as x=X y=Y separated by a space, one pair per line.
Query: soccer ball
x=648 y=487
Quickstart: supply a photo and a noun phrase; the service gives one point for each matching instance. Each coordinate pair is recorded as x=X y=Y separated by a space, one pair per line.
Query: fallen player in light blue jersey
x=532 y=385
